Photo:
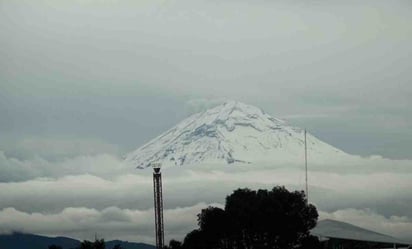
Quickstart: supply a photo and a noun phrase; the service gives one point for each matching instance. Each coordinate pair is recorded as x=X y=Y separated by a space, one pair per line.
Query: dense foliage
x=97 y=244
x=276 y=219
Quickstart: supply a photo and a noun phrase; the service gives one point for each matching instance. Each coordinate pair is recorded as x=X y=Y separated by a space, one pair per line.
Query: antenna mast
x=158 y=205
x=306 y=169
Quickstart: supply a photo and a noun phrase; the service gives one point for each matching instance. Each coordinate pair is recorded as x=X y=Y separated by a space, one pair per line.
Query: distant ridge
x=341 y=230
x=231 y=133
x=31 y=241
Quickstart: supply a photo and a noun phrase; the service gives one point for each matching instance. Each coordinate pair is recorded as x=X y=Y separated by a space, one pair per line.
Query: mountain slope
x=230 y=133
x=32 y=241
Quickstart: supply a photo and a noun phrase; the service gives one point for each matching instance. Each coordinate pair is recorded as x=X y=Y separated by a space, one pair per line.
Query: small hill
x=32 y=241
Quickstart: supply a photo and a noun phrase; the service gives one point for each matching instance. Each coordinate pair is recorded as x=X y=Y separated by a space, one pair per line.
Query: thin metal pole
x=306 y=169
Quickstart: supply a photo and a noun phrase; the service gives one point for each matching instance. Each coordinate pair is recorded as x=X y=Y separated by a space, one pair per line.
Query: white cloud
x=103 y=181
x=202 y=104
x=54 y=148
x=109 y=223
x=105 y=165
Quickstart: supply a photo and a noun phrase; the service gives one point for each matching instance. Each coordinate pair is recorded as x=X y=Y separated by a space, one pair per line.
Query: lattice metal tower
x=158 y=205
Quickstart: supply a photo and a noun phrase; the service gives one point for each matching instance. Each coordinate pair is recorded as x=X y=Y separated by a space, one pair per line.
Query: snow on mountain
x=231 y=133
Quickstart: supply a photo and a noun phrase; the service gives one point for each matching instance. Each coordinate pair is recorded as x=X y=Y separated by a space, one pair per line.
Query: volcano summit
x=231 y=133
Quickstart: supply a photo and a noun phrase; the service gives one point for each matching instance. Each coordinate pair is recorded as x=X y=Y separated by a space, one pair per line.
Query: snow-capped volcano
x=230 y=133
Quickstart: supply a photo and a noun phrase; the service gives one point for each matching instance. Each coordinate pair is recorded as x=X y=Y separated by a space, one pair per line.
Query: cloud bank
x=83 y=195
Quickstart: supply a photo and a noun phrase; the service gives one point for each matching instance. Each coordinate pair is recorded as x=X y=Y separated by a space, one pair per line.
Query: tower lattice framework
x=158 y=207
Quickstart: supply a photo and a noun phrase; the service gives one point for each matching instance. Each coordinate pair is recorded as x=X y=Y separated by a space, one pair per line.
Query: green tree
x=196 y=239
x=86 y=245
x=310 y=242
x=275 y=219
x=214 y=224
x=97 y=244
x=174 y=244
x=117 y=246
x=55 y=247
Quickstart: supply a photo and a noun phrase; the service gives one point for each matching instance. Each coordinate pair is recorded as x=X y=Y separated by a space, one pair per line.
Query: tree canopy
x=276 y=219
x=55 y=247
x=97 y=244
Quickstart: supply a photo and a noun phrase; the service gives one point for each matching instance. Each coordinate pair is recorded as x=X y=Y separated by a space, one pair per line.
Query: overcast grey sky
x=84 y=81
x=121 y=72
